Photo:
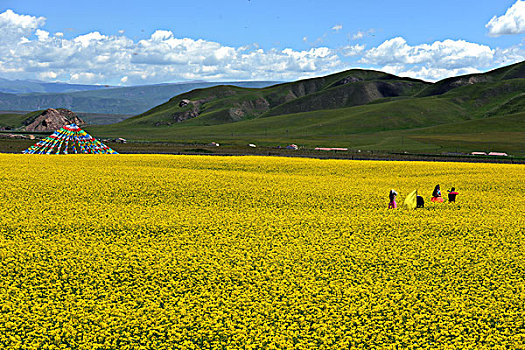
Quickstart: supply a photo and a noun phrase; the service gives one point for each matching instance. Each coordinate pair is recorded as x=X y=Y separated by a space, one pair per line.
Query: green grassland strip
x=11 y=120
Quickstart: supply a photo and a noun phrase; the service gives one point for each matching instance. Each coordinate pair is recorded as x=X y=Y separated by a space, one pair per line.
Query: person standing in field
x=436 y=195
x=392 y=196
x=420 y=202
x=452 y=195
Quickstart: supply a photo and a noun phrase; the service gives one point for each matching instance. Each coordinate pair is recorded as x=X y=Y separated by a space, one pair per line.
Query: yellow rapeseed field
x=186 y=252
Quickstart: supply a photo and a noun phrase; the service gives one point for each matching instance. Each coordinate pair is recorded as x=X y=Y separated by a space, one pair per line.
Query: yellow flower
x=189 y=252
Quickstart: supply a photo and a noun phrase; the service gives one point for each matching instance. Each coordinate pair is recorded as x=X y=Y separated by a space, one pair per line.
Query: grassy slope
x=16 y=120
x=313 y=128
x=11 y=120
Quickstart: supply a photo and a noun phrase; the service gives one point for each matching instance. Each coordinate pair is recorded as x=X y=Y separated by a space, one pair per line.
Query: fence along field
x=106 y=252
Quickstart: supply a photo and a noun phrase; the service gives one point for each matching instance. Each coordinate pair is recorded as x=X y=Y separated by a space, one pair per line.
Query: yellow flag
x=411 y=200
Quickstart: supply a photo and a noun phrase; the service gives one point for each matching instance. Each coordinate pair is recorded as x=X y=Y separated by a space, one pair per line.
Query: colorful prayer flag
x=71 y=137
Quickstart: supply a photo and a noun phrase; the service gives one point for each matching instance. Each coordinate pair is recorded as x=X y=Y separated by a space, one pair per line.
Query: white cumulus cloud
x=42 y=34
x=27 y=51
x=47 y=75
x=20 y=23
x=446 y=54
x=352 y=50
x=161 y=35
x=88 y=39
x=512 y=22
x=438 y=60
x=15 y=28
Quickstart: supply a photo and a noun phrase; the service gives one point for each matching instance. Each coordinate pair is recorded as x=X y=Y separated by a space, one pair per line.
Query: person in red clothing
x=436 y=195
x=452 y=195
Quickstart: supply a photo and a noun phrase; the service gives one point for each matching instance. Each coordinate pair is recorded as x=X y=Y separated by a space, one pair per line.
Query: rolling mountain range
x=361 y=109
x=105 y=100
x=36 y=86
x=356 y=108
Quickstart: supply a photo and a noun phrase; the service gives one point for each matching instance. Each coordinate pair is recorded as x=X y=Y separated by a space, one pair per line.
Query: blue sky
x=114 y=42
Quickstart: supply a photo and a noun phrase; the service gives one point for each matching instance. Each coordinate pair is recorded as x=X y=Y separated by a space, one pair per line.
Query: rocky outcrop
x=182 y=116
x=191 y=109
x=184 y=103
x=192 y=112
x=446 y=85
x=52 y=119
x=474 y=79
x=347 y=80
x=249 y=108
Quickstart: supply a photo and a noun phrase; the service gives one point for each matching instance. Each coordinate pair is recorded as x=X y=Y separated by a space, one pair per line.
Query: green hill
x=227 y=104
x=357 y=108
x=515 y=71
x=11 y=120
